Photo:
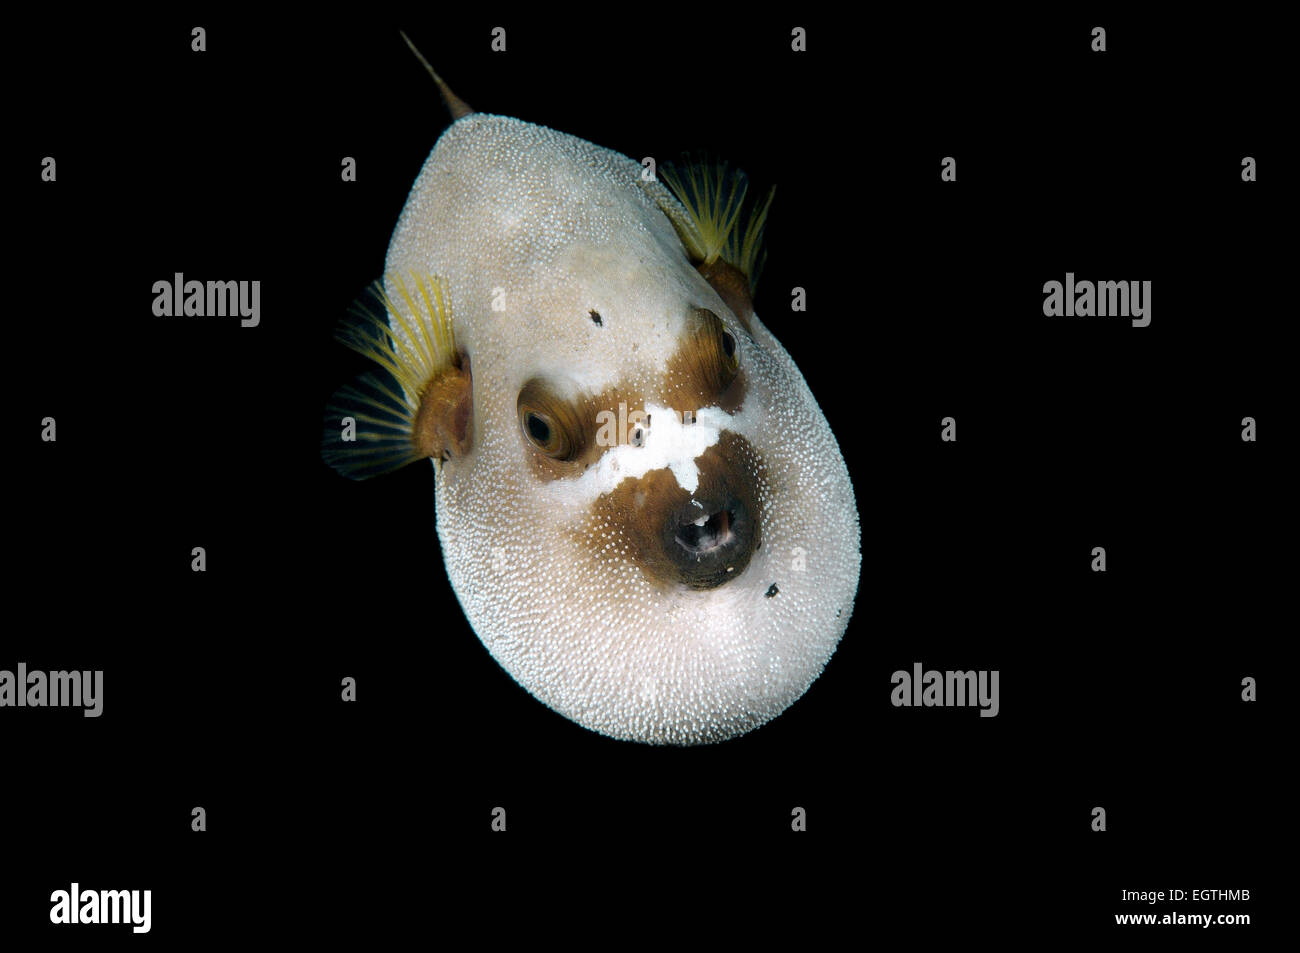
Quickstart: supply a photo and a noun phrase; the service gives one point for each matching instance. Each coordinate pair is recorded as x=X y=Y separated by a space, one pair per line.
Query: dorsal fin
x=455 y=105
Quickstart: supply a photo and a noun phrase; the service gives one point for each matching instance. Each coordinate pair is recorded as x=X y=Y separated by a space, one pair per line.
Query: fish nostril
x=707 y=533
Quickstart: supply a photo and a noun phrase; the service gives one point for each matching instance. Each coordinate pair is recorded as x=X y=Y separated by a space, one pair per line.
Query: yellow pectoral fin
x=368 y=429
x=420 y=404
x=718 y=226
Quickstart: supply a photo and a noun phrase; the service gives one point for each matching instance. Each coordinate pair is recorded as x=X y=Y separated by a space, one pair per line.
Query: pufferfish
x=642 y=509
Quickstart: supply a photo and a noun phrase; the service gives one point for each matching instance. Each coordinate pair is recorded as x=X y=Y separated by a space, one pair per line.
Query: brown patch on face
x=578 y=419
x=705 y=369
x=443 y=422
x=733 y=288
x=566 y=435
x=653 y=520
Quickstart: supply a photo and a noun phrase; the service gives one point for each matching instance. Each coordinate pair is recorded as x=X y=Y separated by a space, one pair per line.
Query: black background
x=925 y=300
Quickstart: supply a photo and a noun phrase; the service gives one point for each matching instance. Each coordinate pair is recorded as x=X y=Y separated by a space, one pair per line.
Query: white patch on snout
x=667 y=443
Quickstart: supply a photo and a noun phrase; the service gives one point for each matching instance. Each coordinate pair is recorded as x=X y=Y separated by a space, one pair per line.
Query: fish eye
x=548 y=423
x=543 y=433
x=716 y=353
x=538 y=429
x=729 y=348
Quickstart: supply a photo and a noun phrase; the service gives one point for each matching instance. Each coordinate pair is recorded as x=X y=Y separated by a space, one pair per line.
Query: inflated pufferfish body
x=557 y=320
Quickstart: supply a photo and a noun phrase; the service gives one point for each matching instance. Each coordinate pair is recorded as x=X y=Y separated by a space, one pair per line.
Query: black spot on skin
x=595 y=316
x=771 y=590
x=838 y=612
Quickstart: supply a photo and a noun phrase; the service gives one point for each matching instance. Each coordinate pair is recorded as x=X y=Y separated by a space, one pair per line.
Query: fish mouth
x=700 y=538
x=708 y=533
x=710 y=541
